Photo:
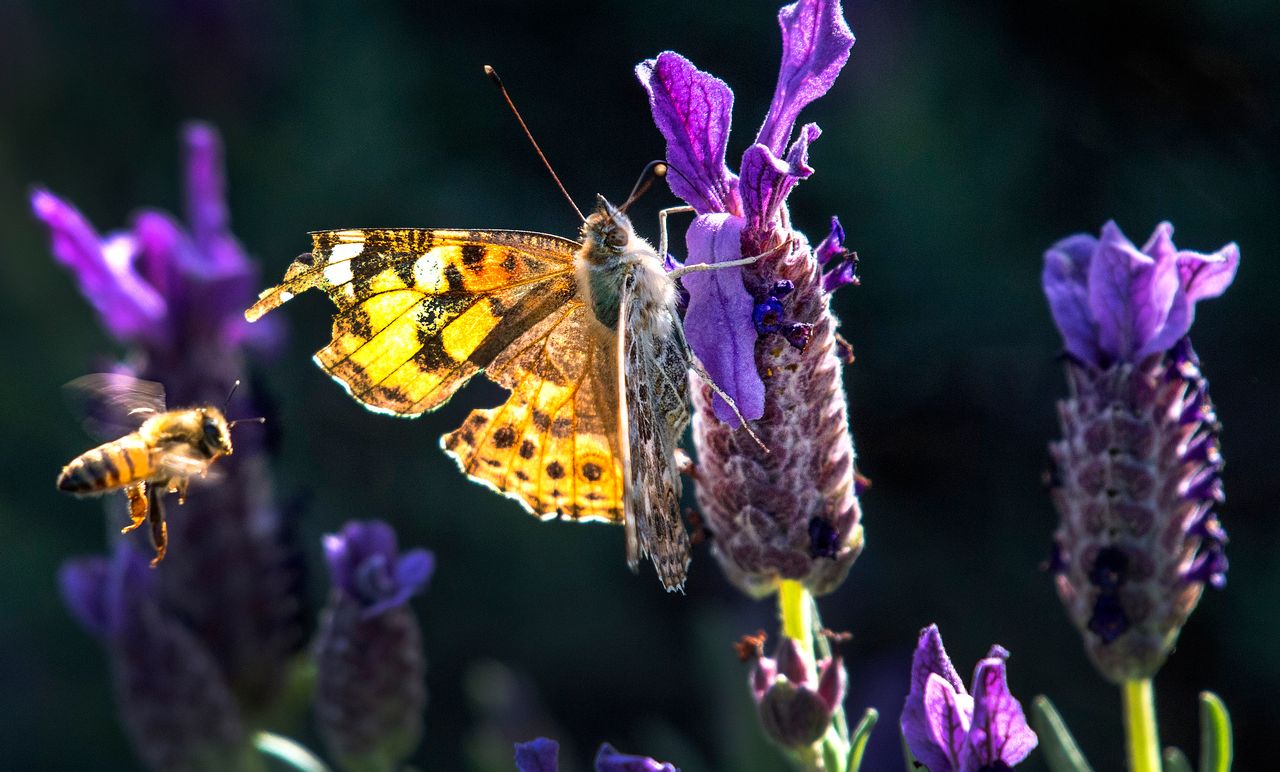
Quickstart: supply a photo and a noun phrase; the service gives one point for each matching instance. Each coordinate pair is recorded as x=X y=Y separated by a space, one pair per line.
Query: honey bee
x=167 y=449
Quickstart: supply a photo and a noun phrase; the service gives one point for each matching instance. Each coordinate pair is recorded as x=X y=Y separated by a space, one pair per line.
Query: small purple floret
x=949 y=730
x=610 y=759
x=1114 y=302
x=767 y=316
x=538 y=755
x=365 y=564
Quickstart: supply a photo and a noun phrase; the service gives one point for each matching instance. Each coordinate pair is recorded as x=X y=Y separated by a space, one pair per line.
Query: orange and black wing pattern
x=554 y=444
x=420 y=311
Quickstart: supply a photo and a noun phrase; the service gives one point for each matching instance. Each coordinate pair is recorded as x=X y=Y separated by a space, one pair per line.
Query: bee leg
x=137 y=495
x=159 y=529
x=180 y=488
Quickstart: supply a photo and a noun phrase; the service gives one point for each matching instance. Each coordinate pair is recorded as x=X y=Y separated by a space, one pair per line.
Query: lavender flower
x=765 y=332
x=950 y=730
x=795 y=710
x=174 y=703
x=173 y=296
x=370 y=691
x=1137 y=471
x=542 y=755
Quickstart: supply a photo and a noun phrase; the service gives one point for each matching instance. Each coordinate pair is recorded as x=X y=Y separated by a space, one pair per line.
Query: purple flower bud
x=370 y=669
x=788 y=386
x=794 y=710
x=1138 y=468
x=950 y=730
x=832 y=246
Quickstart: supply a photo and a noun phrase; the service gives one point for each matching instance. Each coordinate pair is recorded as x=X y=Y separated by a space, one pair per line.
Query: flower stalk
x=1142 y=742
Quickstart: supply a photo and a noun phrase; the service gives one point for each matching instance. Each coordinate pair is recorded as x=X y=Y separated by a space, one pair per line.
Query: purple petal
x=538 y=755
x=832 y=246
x=129 y=308
x=83 y=582
x=1208 y=276
x=930 y=659
x=609 y=759
x=693 y=110
x=1130 y=293
x=1066 y=285
x=718 y=324
x=165 y=253
x=832 y=684
x=205 y=183
x=414 y=569
x=815 y=46
x=767 y=180
x=948 y=714
x=999 y=733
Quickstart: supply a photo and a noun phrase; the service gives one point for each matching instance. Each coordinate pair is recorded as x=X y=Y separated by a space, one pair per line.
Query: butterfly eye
x=616 y=238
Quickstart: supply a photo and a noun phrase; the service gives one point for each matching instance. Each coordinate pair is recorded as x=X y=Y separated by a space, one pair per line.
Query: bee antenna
x=227 y=403
x=654 y=170
x=258 y=420
x=493 y=76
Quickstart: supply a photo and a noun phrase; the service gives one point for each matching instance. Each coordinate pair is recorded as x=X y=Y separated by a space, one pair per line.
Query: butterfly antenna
x=654 y=170
x=493 y=76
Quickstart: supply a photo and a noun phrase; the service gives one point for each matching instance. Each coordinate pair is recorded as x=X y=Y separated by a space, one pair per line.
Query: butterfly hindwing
x=553 y=444
x=421 y=311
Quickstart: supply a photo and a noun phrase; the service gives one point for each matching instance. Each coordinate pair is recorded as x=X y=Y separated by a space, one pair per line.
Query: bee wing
x=114 y=404
x=182 y=461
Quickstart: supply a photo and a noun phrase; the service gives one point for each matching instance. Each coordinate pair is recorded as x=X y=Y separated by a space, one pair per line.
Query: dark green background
x=959 y=143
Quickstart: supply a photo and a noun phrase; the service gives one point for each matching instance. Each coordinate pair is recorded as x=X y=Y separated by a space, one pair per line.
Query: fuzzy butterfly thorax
x=611 y=251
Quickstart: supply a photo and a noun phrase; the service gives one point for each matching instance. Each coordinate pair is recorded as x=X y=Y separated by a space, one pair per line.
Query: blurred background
x=961 y=140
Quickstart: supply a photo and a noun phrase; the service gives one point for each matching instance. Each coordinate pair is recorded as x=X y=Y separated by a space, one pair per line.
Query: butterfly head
x=606 y=233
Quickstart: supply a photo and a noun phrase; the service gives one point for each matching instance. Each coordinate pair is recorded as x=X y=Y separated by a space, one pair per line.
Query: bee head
x=215 y=432
x=606 y=232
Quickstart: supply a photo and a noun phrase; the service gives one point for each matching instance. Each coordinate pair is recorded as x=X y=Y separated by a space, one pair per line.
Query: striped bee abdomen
x=107 y=467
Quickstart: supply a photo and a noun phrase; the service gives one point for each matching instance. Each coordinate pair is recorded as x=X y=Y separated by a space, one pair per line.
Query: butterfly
x=585 y=335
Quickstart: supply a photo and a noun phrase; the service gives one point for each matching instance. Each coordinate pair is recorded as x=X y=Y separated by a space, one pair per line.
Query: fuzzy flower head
x=370 y=669
x=1114 y=302
x=765 y=332
x=174 y=702
x=796 y=707
x=949 y=729
x=1137 y=474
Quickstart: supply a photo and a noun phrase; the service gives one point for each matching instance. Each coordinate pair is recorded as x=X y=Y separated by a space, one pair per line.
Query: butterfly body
x=584 y=334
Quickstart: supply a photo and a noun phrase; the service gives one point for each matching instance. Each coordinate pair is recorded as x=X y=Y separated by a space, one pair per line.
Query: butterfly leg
x=662 y=227
x=701 y=370
x=699 y=267
x=159 y=529
x=137 y=496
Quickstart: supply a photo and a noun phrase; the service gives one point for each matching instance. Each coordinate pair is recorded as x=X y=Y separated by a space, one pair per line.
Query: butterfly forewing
x=653 y=370
x=553 y=444
x=420 y=311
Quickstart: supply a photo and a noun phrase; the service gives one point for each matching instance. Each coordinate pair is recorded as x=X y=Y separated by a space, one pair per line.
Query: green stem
x=1141 y=740
x=799 y=620
x=794 y=604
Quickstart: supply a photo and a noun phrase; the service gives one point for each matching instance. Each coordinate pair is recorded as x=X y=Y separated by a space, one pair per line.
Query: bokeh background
x=961 y=140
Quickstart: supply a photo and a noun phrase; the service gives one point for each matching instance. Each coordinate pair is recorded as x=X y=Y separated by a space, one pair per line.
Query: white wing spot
x=338 y=274
x=428 y=272
x=345 y=252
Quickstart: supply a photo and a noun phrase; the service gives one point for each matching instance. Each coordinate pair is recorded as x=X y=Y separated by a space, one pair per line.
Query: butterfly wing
x=653 y=412
x=554 y=444
x=421 y=311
